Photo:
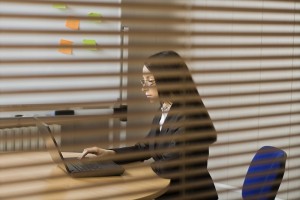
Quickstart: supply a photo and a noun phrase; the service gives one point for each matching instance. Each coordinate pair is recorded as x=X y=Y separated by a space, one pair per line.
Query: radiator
x=25 y=138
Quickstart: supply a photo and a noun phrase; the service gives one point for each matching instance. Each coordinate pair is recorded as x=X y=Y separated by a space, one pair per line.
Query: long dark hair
x=174 y=82
x=172 y=76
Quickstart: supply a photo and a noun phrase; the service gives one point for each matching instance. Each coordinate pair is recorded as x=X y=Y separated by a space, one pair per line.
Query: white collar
x=166 y=107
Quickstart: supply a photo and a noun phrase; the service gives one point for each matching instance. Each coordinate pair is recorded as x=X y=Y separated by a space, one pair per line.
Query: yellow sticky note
x=60 y=6
x=91 y=43
x=66 y=47
x=73 y=24
x=95 y=15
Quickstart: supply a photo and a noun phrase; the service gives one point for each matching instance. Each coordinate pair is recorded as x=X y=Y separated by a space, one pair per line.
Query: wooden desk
x=48 y=182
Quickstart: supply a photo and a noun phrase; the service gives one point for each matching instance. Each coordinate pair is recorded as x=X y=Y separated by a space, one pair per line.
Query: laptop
x=75 y=167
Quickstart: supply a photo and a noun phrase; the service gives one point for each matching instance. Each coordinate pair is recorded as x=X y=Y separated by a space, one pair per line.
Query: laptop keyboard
x=78 y=166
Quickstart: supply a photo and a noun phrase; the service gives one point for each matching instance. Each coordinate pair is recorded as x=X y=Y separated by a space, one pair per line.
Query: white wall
x=223 y=145
x=258 y=133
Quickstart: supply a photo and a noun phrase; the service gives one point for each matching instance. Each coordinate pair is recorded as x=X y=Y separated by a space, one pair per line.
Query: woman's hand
x=96 y=151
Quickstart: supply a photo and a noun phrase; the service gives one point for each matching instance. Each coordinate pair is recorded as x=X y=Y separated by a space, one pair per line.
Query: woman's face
x=149 y=85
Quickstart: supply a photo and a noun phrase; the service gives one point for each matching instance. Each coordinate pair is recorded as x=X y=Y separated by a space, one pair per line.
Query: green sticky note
x=91 y=43
x=95 y=15
x=60 y=6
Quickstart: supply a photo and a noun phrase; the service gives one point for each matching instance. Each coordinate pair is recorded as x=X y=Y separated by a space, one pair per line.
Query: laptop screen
x=50 y=141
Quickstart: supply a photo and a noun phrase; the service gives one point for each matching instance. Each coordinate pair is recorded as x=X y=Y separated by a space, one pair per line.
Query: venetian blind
x=78 y=64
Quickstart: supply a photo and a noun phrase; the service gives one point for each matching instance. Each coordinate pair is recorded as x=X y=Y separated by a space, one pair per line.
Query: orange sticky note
x=73 y=24
x=66 y=49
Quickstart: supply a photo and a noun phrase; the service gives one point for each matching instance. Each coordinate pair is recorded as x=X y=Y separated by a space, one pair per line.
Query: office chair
x=264 y=174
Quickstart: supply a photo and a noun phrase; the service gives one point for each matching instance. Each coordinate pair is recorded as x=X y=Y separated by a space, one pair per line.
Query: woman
x=181 y=133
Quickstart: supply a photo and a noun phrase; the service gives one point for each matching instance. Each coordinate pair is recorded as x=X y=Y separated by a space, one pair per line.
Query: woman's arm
x=138 y=152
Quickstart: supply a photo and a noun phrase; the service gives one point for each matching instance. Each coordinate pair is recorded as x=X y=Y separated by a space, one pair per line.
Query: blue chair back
x=264 y=174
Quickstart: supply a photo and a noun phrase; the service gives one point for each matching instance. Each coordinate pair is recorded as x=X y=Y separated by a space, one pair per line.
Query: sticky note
x=73 y=24
x=60 y=6
x=67 y=47
x=91 y=43
x=95 y=15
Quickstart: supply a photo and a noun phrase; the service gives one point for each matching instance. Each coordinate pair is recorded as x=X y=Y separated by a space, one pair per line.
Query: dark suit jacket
x=188 y=163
